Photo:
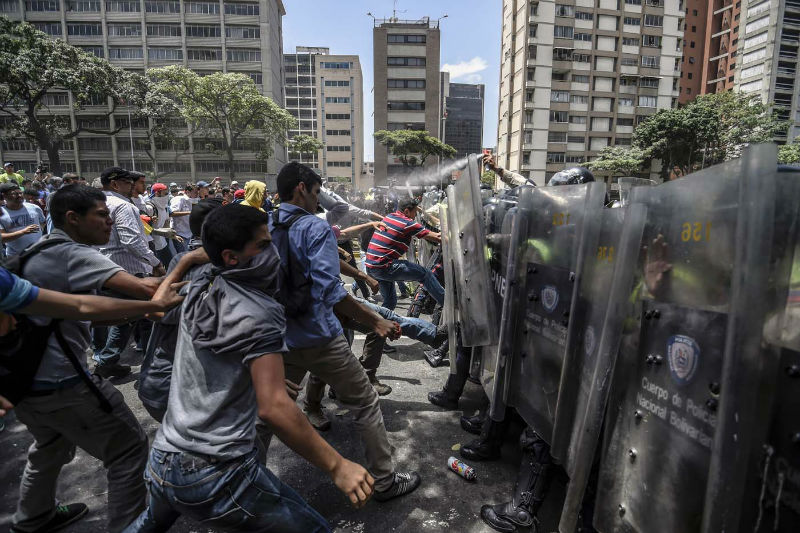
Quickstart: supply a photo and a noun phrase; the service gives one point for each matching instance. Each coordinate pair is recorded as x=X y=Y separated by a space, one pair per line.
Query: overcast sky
x=470 y=45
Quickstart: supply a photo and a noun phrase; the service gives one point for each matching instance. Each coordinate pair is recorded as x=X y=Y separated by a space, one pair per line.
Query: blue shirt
x=15 y=292
x=313 y=244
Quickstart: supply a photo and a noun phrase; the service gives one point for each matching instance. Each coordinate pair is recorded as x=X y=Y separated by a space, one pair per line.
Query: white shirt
x=181 y=224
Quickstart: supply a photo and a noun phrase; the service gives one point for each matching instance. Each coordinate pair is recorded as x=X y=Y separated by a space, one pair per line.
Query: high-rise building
x=767 y=59
x=206 y=36
x=464 y=118
x=407 y=80
x=325 y=93
x=577 y=77
x=710 y=42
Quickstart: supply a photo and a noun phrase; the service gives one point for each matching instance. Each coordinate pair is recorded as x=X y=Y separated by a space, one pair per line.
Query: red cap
x=239 y=194
x=158 y=187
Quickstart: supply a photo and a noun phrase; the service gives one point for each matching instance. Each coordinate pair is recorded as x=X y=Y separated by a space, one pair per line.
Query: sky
x=470 y=42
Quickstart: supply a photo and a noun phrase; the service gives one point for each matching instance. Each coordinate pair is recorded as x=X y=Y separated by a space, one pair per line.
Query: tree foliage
x=33 y=66
x=488 y=177
x=224 y=107
x=619 y=161
x=789 y=153
x=708 y=130
x=413 y=147
x=303 y=144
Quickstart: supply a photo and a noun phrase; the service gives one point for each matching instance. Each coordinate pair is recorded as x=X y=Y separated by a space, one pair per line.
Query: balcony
x=788 y=87
x=786 y=71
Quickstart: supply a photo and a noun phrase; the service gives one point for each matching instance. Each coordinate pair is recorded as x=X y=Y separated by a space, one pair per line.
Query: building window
x=123 y=6
x=125 y=53
x=162 y=6
x=691 y=61
x=649 y=82
x=43 y=5
x=630 y=41
x=202 y=8
x=242 y=32
x=164 y=54
x=586 y=37
x=50 y=28
x=337 y=116
x=405 y=84
x=652 y=41
x=559 y=96
x=337 y=83
x=650 y=61
x=125 y=30
x=625 y=101
x=584 y=15
x=575 y=139
x=241 y=55
x=647 y=101
x=337 y=132
x=555 y=157
x=257 y=77
x=623 y=141
x=563 y=32
x=559 y=76
x=406 y=61
x=405 y=106
x=337 y=99
x=756 y=24
x=332 y=65
x=202 y=30
x=564 y=10
x=581 y=58
x=164 y=30
x=578 y=99
x=559 y=116
x=572 y=158
x=415 y=126
x=8 y=6
x=95 y=50
x=653 y=21
x=337 y=148
x=394 y=38
x=557 y=137
x=339 y=163
x=634 y=2
x=236 y=8
x=55 y=99
x=632 y=21
x=624 y=122
x=629 y=62
x=580 y=78
x=204 y=54
x=577 y=119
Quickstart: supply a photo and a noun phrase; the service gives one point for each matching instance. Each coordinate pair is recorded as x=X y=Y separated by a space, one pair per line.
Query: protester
x=238 y=196
x=202 y=190
x=9 y=176
x=254 y=194
x=161 y=233
x=21 y=223
x=180 y=208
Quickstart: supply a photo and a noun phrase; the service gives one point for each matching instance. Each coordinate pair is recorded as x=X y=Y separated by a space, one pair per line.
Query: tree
x=710 y=129
x=489 y=178
x=789 y=154
x=226 y=108
x=34 y=66
x=619 y=161
x=413 y=147
x=303 y=144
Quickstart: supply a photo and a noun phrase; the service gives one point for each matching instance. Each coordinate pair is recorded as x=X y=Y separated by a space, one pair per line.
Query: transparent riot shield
x=552 y=240
x=591 y=351
x=625 y=186
x=687 y=321
x=499 y=215
x=450 y=308
x=479 y=325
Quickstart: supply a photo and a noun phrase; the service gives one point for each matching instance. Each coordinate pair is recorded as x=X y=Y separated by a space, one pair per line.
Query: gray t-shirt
x=11 y=221
x=75 y=269
x=212 y=404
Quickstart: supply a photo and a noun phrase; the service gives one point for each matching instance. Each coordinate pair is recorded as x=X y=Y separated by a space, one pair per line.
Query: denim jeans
x=116 y=341
x=402 y=270
x=234 y=495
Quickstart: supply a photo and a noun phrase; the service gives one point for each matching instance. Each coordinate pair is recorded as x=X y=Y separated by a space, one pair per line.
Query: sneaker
x=403 y=483
x=65 y=515
x=316 y=417
x=379 y=387
x=114 y=370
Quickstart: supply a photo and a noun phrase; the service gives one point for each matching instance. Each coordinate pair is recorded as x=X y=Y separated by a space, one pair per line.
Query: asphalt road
x=423 y=437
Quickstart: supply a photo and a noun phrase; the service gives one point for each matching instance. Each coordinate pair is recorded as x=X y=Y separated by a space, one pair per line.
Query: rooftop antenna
x=394 y=12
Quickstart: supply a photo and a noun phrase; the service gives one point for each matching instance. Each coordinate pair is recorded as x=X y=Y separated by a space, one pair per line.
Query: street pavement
x=423 y=437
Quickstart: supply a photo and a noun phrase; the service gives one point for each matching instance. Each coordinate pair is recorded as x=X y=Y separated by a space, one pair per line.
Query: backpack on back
x=294 y=291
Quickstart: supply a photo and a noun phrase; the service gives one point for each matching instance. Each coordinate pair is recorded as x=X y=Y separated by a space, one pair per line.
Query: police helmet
x=571 y=176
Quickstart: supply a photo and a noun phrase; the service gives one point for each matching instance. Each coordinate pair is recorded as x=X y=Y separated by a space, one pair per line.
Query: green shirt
x=5 y=177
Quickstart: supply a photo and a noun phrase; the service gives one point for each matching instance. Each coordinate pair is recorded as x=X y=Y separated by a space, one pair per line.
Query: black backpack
x=294 y=288
x=22 y=349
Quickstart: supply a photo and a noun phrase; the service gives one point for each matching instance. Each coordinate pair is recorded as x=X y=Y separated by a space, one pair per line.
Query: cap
x=239 y=193
x=337 y=231
x=173 y=185
x=117 y=173
x=158 y=187
x=202 y=184
x=9 y=164
x=10 y=186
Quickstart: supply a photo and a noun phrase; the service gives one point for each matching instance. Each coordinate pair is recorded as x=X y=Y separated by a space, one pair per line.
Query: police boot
x=437 y=357
x=487 y=446
x=472 y=424
x=529 y=492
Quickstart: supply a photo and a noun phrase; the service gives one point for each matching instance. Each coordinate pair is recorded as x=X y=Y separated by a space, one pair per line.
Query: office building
x=205 y=36
x=577 y=77
x=406 y=84
x=325 y=93
x=464 y=118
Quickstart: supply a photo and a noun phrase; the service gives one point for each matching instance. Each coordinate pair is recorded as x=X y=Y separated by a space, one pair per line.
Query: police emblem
x=549 y=298
x=588 y=341
x=683 y=355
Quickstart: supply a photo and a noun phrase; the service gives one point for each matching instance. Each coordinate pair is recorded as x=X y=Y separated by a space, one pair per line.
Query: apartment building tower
x=406 y=84
x=206 y=36
x=325 y=93
x=768 y=52
x=579 y=75
x=464 y=118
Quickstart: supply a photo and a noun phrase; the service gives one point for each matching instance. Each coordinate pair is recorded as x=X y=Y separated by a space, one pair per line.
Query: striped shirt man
x=392 y=242
x=127 y=245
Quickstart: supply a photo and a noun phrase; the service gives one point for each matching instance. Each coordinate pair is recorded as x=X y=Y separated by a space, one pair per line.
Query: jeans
x=116 y=341
x=233 y=495
x=401 y=270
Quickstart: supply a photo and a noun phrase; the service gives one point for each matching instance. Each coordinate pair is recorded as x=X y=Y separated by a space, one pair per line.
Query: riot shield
x=499 y=213
x=450 y=308
x=479 y=326
x=688 y=318
x=557 y=227
x=625 y=186
x=591 y=351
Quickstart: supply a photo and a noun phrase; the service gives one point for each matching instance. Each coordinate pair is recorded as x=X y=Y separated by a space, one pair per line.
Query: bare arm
x=435 y=238
x=351 y=308
x=14 y=235
x=355 y=230
x=129 y=285
x=290 y=425
x=180 y=213
x=349 y=270
x=186 y=262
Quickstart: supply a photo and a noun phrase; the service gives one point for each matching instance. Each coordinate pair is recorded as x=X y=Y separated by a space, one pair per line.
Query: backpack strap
x=105 y=405
x=289 y=221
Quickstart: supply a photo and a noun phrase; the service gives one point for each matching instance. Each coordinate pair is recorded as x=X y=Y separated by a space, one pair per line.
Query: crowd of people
x=232 y=296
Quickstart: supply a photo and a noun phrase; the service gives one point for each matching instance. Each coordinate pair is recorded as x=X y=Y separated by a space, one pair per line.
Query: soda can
x=462 y=469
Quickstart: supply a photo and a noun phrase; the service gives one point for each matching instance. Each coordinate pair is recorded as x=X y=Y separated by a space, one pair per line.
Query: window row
x=337 y=83
x=406 y=106
x=337 y=116
x=150 y=6
x=337 y=99
x=394 y=38
x=337 y=148
x=406 y=61
x=405 y=84
x=337 y=132
x=339 y=163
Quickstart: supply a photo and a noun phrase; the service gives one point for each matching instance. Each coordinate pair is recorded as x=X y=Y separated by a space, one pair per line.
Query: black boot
x=487 y=446
x=443 y=400
x=437 y=357
x=472 y=424
x=529 y=492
